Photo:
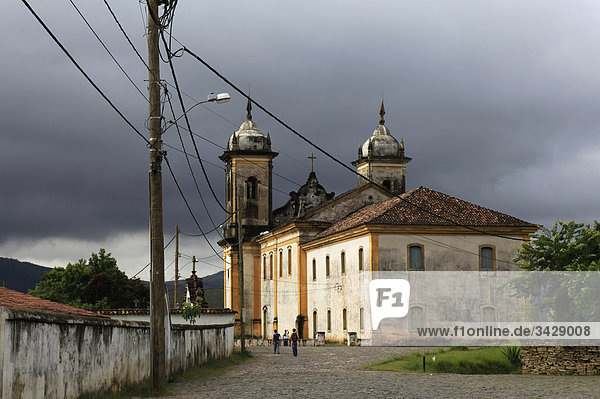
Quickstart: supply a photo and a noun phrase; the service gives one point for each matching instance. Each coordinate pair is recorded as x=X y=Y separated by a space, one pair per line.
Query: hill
x=213 y=289
x=20 y=276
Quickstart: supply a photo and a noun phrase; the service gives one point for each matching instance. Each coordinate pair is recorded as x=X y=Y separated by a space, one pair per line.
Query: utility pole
x=176 y=264
x=157 y=291
x=241 y=276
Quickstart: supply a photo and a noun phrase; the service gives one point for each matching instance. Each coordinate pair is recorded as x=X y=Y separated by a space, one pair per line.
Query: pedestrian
x=294 y=342
x=286 y=337
x=276 y=336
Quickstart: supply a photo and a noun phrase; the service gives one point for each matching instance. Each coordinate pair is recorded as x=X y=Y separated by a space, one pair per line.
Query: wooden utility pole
x=157 y=291
x=240 y=237
x=176 y=264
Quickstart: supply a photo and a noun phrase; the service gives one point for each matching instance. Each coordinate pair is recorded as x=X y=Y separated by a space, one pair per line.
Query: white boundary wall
x=56 y=356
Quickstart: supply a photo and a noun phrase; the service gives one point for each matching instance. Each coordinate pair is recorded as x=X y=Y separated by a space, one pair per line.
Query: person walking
x=286 y=337
x=276 y=337
x=294 y=338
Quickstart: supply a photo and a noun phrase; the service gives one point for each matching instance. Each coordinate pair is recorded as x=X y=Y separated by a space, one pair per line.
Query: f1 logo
x=389 y=298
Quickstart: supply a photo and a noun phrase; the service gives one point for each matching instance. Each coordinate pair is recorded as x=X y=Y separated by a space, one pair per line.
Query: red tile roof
x=421 y=207
x=19 y=301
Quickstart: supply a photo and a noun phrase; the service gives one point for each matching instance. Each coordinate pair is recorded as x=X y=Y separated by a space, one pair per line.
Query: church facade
x=305 y=263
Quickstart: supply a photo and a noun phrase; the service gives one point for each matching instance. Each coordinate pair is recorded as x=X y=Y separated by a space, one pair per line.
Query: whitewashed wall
x=53 y=356
x=338 y=291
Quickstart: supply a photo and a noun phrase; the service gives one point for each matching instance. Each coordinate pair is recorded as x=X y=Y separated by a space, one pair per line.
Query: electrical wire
x=108 y=51
x=145 y=267
x=181 y=103
x=190 y=165
x=47 y=29
x=188 y=205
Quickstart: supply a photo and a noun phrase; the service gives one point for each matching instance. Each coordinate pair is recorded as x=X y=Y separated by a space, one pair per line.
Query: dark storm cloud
x=486 y=95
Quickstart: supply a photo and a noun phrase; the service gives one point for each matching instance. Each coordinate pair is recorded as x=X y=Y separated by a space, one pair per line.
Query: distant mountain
x=20 y=276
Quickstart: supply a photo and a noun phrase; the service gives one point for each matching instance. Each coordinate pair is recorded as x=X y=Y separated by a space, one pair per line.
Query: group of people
x=286 y=337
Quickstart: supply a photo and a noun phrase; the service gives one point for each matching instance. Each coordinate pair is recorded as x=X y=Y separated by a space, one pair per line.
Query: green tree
x=566 y=259
x=93 y=284
x=567 y=246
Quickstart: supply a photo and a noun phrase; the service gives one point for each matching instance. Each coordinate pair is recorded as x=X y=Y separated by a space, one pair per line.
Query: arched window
x=343 y=262
x=314 y=264
x=361 y=258
x=344 y=320
x=362 y=319
x=264 y=267
x=251 y=184
x=416 y=317
x=415 y=257
x=289 y=261
x=271 y=266
x=387 y=184
x=488 y=314
x=280 y=263
x=487 y=258
x=314 y=324
x=327 y=266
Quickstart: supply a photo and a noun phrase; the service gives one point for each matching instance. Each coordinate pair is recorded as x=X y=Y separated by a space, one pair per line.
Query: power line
x=108 y=51
x=188 y=205
x=170 y=62
x=333 y=158
x=125 y=34
x=189 y=164
x=83 y=72
x=145 y=267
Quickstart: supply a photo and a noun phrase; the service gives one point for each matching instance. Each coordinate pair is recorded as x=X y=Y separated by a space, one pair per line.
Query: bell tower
x=381 y=159
x=249 y=169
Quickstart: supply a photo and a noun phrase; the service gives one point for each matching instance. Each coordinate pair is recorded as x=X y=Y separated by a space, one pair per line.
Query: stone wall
x=581 y=360
x=55 y=356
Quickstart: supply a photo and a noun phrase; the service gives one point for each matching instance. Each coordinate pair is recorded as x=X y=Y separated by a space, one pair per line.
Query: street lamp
x=220 y=98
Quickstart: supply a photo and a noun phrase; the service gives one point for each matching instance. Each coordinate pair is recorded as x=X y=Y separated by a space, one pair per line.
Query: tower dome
x=381 y=159
x=249 y=137
x=381 y=144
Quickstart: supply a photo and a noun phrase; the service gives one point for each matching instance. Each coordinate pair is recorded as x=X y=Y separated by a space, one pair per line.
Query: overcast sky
x=498 y=103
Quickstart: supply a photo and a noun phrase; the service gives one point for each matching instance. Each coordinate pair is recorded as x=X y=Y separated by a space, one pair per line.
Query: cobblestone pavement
x=336 y=372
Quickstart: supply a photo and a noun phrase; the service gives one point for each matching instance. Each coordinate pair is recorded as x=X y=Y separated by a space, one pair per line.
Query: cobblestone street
x=336 y=372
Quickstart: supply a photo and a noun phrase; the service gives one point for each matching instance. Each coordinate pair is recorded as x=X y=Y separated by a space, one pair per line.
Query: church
x=304 y=263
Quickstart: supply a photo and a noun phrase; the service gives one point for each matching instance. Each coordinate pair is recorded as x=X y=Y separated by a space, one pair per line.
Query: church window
x=362 y=319
x=314 y=264
x=251 y=184
x=415 y=257
x=344 y=320
x=264 y=267
x=486 y=257
x=360 y=258
x=271 y=267
x=488 y=314
x=343 y=262
x=327 y=266
x=280 y=263
x=289 y=261
x=328 y=320
x=387 y=184
x=416 y=317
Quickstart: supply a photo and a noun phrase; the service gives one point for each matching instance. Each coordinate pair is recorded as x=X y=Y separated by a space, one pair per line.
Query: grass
x=210 y=369
x=456 y=360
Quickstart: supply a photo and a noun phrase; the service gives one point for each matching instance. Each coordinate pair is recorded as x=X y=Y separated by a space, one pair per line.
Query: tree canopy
x=566 y=262
x=93 y=284
x=567 y=246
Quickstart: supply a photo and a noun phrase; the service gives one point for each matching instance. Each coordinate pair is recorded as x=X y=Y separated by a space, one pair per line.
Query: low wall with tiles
x=56 y=356
x=580 y=360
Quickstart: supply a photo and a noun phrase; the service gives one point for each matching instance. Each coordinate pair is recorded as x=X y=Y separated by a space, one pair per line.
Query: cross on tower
x=312 y=160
